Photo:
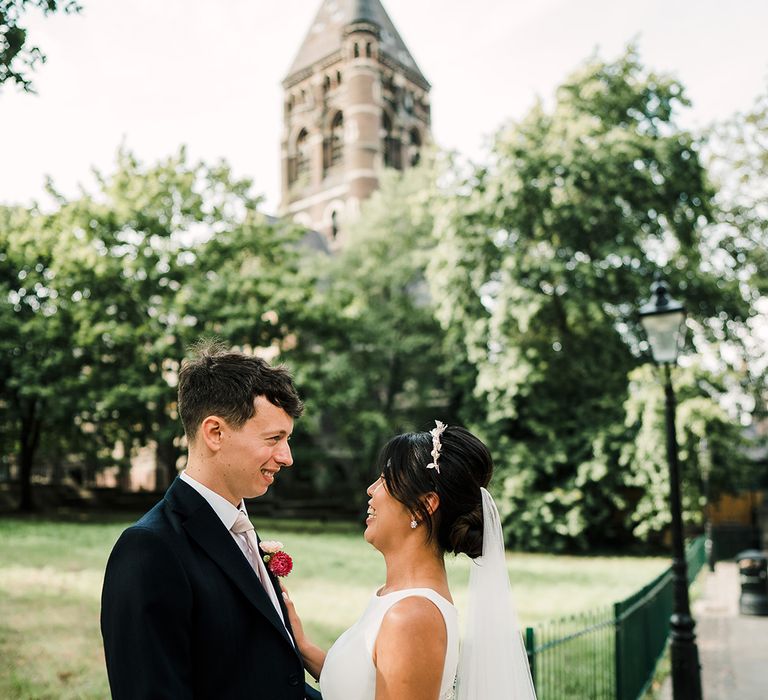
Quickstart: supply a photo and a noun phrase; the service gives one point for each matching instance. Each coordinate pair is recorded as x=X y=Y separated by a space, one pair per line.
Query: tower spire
x=326 y=34
x=355 y=102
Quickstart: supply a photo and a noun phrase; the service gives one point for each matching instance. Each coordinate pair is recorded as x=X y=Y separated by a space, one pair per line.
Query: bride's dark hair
x=465 y=465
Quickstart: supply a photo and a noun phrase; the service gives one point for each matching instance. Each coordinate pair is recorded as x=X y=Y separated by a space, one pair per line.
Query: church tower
x=355 y=102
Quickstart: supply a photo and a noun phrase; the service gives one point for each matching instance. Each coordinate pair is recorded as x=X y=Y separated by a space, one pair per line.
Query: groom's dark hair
x=218 y=381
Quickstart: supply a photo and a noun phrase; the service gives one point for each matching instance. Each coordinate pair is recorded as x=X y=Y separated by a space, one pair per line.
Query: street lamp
x=663 y=319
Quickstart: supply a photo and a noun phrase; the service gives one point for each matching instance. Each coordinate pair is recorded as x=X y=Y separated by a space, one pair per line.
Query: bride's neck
x=420 y=567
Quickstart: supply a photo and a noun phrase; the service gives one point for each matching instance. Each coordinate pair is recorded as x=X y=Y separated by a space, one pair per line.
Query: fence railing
x=609 y=653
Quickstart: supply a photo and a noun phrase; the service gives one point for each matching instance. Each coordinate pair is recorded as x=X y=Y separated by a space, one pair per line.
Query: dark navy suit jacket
x=183 y=615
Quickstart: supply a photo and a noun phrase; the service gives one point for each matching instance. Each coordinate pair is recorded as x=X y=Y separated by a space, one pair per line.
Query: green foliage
x=18 y=57
x=102 y=296
x=738 y=158
x=37 y=365
x=543 y=256
x=369 y=354
x=502 y=297
x=711 y=446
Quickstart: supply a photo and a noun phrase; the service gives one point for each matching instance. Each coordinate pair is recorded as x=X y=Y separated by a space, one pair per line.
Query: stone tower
x=355 y=102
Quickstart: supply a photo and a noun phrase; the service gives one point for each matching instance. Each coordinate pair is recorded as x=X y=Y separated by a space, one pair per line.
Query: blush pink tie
x=243 y=526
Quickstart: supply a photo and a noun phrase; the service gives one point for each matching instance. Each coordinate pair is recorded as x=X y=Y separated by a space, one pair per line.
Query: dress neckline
x=380 y=596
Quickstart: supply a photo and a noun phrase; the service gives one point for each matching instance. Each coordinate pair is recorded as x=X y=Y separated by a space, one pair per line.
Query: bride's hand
x=294 y=619
x=314 y=656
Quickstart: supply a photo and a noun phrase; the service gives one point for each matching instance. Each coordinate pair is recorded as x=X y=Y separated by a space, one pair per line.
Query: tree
x=543 y=256
x=711 y=445
x=103 y=295
x=37 y=365
x=188 y=254
x=369 y=353
x=17 y=57
x=738 y=159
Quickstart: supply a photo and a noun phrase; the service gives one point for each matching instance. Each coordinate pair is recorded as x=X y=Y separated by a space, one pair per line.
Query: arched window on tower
x=334 y=224
x=333 y=151
x=368 y=52
x=392 y=146
x=414 y=147
x=337 y=138
x=357 y=50
x=300 y=160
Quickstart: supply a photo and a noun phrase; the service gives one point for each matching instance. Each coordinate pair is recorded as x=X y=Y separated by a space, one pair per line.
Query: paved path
x=733 y=648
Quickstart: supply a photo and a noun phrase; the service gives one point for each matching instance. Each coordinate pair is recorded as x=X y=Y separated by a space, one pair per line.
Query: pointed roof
x=325 y=36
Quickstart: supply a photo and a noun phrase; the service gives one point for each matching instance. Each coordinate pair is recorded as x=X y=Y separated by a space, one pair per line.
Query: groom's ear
x=431 y=502
x=210 y=432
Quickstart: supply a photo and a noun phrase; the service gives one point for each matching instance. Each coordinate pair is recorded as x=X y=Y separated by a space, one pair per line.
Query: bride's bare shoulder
x=414 y=608
x=412 y=621
x=410 y=649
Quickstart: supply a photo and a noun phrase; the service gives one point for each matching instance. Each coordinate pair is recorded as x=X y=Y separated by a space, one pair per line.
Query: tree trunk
x=167 y=455
x=393 y=386
x=26 y=502
x=91 y=465
x=124 y=472
x=29 y=441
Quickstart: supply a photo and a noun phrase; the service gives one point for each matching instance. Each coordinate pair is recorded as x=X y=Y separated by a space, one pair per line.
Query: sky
x=155 y=74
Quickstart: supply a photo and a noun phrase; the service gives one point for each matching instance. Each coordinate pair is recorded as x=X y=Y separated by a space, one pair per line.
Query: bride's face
x=388 y=520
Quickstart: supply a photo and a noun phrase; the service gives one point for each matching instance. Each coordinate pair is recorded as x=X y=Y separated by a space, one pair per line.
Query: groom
x=189 y=609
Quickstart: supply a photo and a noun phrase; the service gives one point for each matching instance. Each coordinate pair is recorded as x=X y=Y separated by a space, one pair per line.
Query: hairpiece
x=436 y=432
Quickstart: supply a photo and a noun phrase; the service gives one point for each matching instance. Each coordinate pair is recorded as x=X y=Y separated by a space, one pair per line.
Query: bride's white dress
x=349 y=673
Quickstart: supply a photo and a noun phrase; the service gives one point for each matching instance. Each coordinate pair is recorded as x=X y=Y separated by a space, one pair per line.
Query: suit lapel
x=206 y=529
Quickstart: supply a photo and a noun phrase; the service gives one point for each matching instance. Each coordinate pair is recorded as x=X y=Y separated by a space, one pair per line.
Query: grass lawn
x=51 y=574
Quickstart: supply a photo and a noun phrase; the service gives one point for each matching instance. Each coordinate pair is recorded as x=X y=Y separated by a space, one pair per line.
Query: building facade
x=355 y=102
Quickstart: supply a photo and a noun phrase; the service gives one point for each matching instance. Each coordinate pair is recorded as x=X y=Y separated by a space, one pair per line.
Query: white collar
x=226 y=512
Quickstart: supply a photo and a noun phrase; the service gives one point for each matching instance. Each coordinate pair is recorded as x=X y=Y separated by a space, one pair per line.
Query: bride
x=429 y=499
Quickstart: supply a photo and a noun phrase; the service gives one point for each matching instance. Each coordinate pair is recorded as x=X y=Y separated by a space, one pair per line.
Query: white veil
x=493 y=664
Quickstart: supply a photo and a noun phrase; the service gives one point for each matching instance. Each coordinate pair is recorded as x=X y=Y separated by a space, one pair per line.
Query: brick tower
x=355 y=102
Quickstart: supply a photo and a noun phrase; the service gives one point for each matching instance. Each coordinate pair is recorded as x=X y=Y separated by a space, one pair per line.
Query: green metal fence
x=609 y=653
x=573 y=656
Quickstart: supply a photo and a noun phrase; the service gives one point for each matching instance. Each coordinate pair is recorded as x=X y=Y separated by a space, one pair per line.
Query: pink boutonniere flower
x=277 y=561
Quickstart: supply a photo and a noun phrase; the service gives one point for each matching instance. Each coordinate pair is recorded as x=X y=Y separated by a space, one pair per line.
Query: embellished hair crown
x=436 y=432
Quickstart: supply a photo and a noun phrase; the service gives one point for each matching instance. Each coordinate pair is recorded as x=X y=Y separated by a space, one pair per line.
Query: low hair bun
x=465 y=465
x=466 y=536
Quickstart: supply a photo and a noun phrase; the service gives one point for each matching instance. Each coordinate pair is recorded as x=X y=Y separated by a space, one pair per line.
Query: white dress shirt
x=228 y=513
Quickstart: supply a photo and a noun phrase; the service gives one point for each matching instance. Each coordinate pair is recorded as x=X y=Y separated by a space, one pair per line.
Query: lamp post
x=663 y=319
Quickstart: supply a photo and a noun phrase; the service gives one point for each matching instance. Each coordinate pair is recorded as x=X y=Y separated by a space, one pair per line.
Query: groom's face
x=252 y=456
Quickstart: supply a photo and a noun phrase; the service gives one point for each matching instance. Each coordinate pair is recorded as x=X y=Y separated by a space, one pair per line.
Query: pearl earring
x=414 y=524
